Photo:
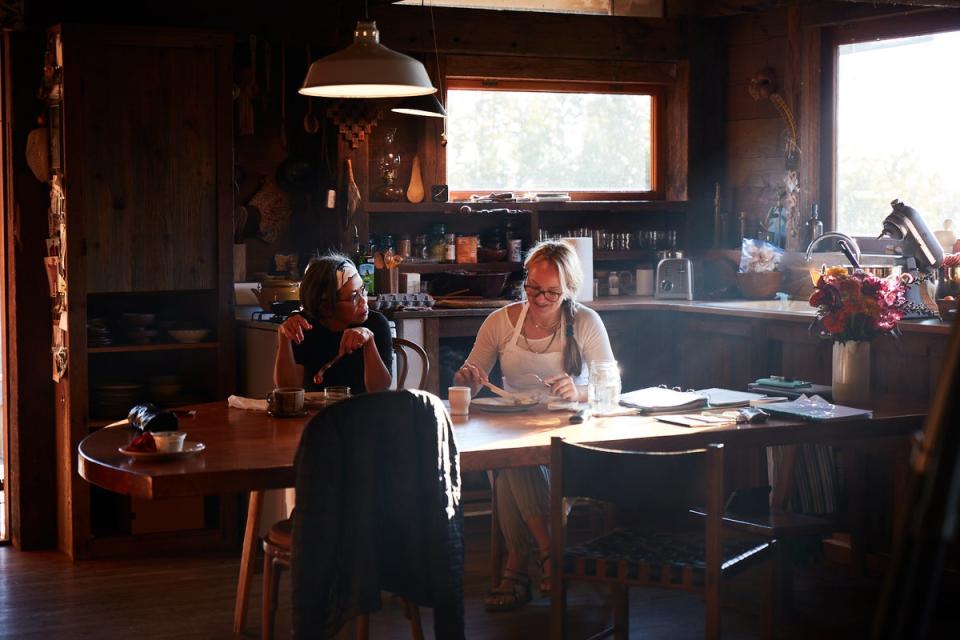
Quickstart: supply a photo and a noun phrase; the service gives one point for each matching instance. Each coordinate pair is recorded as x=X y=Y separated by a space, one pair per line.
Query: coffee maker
x=921 y=254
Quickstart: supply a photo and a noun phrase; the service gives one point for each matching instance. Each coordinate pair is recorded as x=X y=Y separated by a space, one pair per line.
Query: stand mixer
x=921 y=253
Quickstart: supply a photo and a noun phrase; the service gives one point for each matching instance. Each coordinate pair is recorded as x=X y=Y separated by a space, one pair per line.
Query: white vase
x=851 y=372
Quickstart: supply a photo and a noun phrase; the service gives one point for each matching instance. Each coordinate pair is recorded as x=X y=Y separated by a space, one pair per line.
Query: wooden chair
x=400 y=346
x=277 y=542
x=671 y=550
x=276 y=550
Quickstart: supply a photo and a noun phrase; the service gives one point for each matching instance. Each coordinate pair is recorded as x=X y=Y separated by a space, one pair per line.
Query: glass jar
x=420 y=248
x=603 y=388
x=389 y=165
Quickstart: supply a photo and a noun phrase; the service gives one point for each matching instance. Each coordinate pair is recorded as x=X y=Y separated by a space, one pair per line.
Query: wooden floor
x=43 y=595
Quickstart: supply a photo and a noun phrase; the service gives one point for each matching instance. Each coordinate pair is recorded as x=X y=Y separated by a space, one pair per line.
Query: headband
x=345 y=273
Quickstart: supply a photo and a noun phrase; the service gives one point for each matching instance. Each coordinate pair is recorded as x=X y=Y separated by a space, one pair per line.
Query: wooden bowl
x=485 y=254
x=759 y=285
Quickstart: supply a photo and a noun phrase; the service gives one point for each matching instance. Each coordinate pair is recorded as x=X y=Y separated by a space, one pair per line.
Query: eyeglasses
x=355 y=297
x=550 y=295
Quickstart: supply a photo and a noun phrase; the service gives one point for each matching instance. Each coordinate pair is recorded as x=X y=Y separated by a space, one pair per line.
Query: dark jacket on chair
x=378 y=507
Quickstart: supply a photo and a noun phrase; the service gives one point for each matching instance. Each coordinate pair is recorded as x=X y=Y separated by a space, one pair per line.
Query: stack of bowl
x=138 y=326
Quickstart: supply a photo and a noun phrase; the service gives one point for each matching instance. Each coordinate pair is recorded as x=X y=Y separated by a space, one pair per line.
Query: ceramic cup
x=285 y=401
x=459 y=398
x=168 y=441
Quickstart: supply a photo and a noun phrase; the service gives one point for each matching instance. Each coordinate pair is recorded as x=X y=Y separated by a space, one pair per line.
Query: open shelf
x=573 y=205
x=633 y=254
x=165 y=346
x=442 y=267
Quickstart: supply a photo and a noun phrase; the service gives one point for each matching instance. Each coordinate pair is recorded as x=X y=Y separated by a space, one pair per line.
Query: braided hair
x=571 y=277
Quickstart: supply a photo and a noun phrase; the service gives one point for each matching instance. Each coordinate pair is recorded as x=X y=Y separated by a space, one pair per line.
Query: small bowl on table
x=759 y=285
x=188 y=336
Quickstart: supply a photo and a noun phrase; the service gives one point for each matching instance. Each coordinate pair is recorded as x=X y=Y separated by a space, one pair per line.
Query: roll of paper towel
x=583 y=247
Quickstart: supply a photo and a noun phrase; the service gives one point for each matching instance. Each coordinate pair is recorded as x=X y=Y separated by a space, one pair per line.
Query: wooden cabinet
x=144 y=130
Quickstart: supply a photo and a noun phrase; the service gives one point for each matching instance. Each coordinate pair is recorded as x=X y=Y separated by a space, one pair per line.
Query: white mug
x=459 y=398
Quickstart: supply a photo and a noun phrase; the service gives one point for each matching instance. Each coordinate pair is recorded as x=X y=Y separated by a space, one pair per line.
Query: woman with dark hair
x=334 y=322
x=550 y=337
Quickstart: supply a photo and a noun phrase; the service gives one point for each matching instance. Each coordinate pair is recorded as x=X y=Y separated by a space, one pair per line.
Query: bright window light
x=548 y=141
x=898 y=134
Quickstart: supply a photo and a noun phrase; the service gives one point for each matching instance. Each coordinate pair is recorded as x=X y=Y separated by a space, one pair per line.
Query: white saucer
x=189 y=449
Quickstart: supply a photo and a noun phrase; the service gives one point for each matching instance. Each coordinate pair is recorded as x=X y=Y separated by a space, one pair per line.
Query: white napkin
x=250 y=404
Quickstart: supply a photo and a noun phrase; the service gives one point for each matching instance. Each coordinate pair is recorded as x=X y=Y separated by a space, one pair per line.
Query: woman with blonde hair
x=551 y=337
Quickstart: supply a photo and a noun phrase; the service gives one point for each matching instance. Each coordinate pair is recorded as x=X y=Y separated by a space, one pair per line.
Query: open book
x=661 y=399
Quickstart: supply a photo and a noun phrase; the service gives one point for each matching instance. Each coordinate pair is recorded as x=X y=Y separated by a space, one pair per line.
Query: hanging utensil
x=310 y=122
x=353 y=194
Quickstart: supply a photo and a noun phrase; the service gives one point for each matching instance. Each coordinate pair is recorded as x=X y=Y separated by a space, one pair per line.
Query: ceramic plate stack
x=115 y=400
x=98 y=335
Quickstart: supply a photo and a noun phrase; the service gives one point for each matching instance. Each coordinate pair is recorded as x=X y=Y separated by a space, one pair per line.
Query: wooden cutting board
x=470 y=302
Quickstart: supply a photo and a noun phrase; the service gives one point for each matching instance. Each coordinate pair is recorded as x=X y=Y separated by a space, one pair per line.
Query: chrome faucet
x=839 y=236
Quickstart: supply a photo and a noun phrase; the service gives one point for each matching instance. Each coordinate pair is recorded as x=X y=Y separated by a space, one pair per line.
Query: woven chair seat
x=644 y=557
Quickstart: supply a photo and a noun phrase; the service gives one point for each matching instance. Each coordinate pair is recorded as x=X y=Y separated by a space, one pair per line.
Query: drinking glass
x=335 y=394
x=603 y=388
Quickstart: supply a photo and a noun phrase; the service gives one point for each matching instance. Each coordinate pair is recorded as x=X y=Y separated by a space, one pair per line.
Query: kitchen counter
x=790 y=310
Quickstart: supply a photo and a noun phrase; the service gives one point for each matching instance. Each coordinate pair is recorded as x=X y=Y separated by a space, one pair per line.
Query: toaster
x=674 y=279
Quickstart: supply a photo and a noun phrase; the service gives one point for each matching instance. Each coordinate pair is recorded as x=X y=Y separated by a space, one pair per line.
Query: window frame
x=656 y=92
x=887 y=28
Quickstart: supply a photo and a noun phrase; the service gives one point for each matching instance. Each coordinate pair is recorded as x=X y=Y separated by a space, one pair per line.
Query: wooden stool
x=276 y=556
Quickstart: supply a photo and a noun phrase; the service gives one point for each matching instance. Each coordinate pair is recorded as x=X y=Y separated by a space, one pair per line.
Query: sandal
x=512 y=593
x=546 y=572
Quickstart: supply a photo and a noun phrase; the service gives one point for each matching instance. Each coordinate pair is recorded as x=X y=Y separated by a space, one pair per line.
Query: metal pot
x=273 y=290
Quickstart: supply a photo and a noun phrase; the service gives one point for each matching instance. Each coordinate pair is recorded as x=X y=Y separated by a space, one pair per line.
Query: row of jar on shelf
x=606 y=240
x=495 y=245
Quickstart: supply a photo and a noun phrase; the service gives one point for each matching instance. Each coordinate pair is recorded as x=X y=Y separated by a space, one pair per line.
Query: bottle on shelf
x=450 y=248
x=812 y=228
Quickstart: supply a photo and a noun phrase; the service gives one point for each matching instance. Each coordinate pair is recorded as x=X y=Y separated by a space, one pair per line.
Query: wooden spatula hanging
x=353 y=194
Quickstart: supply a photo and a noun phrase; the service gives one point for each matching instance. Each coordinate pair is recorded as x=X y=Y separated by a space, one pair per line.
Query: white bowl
x=168 y=441
x=188 y=336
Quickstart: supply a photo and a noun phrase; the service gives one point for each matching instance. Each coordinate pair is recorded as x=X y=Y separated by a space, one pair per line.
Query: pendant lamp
x=421 y=106
x=366 y=69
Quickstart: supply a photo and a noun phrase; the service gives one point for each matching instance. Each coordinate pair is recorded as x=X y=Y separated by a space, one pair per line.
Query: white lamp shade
x=366 y=69
x=427 y=105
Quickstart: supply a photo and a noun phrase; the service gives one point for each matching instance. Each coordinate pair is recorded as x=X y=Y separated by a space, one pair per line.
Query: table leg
x=247 y=559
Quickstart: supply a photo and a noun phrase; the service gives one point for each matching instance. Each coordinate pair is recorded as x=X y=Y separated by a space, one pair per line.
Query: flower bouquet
x=853 y=309
x=858 y=306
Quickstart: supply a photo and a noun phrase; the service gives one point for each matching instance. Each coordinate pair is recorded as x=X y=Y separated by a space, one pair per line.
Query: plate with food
x=512 y=404
x=144 y=447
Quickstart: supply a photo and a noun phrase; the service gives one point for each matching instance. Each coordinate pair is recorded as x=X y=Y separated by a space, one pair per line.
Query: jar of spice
x=467 y=249
x=450 y=248
x=404 y=247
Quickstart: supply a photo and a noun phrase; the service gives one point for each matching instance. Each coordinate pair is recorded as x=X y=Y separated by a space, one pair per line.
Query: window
x=593 y=140
x=898 y=135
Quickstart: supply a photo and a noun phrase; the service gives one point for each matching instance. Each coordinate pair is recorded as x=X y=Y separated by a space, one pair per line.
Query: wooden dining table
x=252 y=451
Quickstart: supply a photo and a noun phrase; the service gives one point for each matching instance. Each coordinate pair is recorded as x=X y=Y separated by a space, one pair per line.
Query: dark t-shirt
x=320 y=345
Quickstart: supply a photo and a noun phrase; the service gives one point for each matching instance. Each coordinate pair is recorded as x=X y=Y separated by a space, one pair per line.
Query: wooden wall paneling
x=224 y=204
x=809 y=109
x=546 y=35
x=677 y=148
x=152 y=226
x=707 y=165
x=512 y=67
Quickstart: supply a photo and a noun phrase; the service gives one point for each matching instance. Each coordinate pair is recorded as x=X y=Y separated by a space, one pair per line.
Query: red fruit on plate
x=143 y=442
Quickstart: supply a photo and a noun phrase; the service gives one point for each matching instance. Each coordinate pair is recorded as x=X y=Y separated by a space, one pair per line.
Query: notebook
x=726 y=398
x=816 y=409
x=660 y=399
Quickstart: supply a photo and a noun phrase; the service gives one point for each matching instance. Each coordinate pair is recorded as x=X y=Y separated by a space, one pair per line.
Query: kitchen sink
x=799 y=307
